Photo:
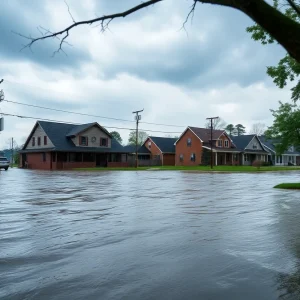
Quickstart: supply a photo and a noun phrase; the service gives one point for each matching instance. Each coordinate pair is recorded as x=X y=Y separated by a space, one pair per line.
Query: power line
x=42 y=107
x=57 y=121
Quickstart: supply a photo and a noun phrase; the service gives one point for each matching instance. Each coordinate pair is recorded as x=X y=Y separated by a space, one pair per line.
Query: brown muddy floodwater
x=148 y=235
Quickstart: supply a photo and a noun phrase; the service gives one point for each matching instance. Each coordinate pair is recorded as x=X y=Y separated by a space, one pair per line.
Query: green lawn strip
x=288 y=186
x=230 y=169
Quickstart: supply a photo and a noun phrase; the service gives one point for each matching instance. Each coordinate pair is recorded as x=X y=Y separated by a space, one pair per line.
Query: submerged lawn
x=288 y=186
x=198 y=169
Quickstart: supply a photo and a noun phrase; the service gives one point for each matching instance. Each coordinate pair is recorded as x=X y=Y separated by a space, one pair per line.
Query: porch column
x=243 y=159
x=225 y=158
x=232 y=158
x=216 y=158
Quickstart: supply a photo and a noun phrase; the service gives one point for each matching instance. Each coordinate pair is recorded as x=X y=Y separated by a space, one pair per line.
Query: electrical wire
x=57 y=121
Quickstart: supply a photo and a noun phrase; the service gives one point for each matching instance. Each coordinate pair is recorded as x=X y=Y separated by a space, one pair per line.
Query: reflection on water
x=148 y=235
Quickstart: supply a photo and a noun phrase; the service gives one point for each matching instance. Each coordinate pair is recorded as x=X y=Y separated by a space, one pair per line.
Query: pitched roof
x=204 y=133
x=270 y=145
x=141 y=150
x=59 y=134
x=242 y=141
x=165 y=144
x=79 y=128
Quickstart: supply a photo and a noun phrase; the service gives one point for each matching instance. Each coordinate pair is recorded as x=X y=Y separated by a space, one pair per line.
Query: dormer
x=90 y=135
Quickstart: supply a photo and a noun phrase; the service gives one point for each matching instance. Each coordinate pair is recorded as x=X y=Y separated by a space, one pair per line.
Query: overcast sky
x=144 y=61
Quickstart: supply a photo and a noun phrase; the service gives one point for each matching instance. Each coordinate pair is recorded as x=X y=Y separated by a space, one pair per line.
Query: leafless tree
x=258 y=128
x=217 y=124
x=280 y=27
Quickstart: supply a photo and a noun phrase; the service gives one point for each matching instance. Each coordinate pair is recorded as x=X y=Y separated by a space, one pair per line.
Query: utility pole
x=12 y=152
x=137 y=118
x=211 y=140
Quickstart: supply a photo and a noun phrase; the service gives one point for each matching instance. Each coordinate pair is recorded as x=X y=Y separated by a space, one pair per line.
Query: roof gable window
x=83 y=141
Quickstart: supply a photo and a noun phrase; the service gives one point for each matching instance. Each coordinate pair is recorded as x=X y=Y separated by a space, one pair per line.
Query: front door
x=101 y=160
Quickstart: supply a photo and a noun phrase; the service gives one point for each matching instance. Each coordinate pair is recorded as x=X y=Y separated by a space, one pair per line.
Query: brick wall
x=182 y=148
x=153 y=149
x=35 y=161
x=76 y=165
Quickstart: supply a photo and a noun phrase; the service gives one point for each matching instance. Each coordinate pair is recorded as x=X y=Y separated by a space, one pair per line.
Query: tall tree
x=116 y=135
x=217 y=124
x=142 y=136
x=230 y=129
x=288 y=68
x=258 y=128
x=240 y=129
x=282 y=28
x=286 y=127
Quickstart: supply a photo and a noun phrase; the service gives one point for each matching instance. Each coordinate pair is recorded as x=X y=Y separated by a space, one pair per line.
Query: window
x=291 y=149
x=189 y=142
x=53 y=157
x=83 y=141
x=193 y=157
x=226 y=143
x=254 y=146
x=44 y=156
x=149 y=144
x=103 y=142
x=88 y=157
x=181 y=157
x=33 y=141
x=45 y=140
x=156 y=157
x=246 y=157
x=220 y=143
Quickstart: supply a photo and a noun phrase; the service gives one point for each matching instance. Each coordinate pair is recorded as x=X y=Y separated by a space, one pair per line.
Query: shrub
x=257 y=164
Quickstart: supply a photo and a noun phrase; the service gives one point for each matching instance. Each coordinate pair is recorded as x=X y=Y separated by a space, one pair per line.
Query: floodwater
x=148 y=235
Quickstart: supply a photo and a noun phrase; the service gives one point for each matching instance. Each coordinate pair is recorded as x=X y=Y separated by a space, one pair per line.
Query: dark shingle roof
x=242 y=141
x=79 y=128
x=270 y=144
x=58 y=134
x=141 y=150
x=204 y=133
x=165 y=144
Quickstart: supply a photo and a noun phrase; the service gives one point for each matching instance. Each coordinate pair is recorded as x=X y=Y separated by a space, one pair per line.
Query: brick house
x=59 y=146
x=194 y=148
x=162 y=149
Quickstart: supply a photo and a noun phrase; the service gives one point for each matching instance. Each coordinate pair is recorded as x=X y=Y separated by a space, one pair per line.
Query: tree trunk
x=279 y=26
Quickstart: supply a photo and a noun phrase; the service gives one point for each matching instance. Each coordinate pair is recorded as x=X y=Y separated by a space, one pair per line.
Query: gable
x=254 y=144
x=38 y=133
x=164 y=144
x=94 y=134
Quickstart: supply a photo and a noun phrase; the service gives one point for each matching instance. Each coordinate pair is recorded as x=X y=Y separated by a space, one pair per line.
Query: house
x=291 y=156
x=144 y=155
x=59 y=146
x=162 y=149
x=251 y=149
x=194 y=148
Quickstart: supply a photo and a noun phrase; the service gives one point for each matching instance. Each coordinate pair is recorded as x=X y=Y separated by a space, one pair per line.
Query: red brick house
x=161 y=148
x=194 y=148
x=59 y=146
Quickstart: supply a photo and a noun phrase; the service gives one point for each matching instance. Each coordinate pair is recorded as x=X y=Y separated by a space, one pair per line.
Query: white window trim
x=226 y=144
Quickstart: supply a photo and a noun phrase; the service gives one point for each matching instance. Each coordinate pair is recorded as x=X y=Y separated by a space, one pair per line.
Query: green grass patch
x=288 y=186
x=231 y=169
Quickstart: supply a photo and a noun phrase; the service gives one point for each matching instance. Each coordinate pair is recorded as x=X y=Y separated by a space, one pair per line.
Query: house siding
x=92 y=132
x=39 y=133
x=182 y=148
x=224 y=138
x=254 y=141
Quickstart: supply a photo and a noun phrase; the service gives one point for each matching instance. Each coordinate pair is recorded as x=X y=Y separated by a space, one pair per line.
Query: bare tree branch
x=87 y=22
x=70 y=12
x=283 y=29
x=191 y=13
x=294 y=6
